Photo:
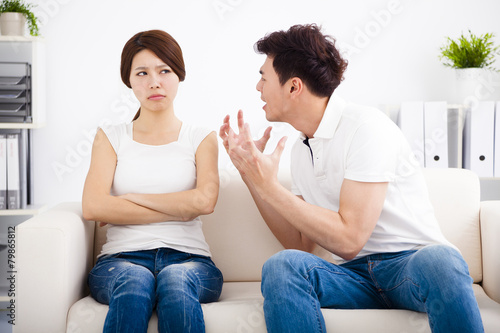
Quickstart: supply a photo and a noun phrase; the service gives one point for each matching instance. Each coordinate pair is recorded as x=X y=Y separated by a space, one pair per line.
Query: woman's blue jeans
x=434 y=279
x=134 y=283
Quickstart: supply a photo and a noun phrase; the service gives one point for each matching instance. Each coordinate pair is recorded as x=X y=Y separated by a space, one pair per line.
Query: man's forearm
x=286 y=233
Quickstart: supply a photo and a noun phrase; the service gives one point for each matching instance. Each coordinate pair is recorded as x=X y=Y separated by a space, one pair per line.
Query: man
x=356 y=192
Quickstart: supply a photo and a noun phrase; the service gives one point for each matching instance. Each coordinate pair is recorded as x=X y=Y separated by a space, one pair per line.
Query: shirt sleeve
x=113 y=134
x=373 y=153
x=198 y=135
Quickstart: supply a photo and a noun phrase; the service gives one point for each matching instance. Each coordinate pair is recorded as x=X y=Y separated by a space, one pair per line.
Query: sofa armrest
x=490 y=229
x=53 y=257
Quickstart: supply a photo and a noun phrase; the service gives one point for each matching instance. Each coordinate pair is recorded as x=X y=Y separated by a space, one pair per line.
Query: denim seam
x=318 y=311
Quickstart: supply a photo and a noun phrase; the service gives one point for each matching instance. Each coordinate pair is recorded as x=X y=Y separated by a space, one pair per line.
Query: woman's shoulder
x=195 y=134
x=114 y=133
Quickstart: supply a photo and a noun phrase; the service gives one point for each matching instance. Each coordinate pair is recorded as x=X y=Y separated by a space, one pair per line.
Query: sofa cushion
x=239 y=309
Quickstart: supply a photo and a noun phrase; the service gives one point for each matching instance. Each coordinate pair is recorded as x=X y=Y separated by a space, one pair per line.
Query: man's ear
x=296 y=86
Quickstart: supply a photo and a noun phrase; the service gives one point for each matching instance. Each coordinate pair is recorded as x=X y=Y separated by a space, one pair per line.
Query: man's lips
x=156 y=97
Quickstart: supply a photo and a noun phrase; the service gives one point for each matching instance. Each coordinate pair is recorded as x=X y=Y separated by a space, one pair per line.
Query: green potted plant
x=14 y=14
x=471 y=57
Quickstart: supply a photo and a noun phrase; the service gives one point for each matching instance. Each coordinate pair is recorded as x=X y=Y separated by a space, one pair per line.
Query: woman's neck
x=156 y=127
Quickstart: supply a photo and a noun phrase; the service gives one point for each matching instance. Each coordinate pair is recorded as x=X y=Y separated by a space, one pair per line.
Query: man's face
x=271 y=91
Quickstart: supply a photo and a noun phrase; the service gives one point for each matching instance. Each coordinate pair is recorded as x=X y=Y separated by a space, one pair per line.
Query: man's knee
x=282 y=261
x=442 y=261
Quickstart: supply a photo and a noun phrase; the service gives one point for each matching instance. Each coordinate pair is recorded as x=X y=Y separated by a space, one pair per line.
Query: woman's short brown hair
x=160 y=43
x=304 y=52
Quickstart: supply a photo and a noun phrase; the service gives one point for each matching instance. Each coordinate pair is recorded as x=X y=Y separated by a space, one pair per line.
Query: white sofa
x=56 y=250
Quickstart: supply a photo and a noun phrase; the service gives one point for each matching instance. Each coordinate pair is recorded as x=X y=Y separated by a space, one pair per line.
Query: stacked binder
x=425 y=126
x=480 y=134
x=443 y=136
x=15 y=169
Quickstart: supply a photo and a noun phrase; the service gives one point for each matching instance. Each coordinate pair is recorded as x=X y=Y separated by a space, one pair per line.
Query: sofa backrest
x=455 y=195
x=239 y=239
x=241 y=242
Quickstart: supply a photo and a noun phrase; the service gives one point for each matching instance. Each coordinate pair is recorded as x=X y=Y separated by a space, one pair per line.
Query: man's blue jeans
x=434 y=279
x=133 y=283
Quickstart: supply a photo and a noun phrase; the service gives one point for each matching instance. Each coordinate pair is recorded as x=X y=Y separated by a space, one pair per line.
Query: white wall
x=392 y=48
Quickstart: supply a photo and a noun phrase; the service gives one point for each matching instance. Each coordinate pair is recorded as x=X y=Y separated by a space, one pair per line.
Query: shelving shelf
x=30 y=210
x=20 y=38
x=21 y=125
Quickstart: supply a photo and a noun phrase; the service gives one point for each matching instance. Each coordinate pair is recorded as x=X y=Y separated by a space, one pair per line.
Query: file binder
x=411 y=123
x=479 y=138
x=496 y=162
x=16 y=170
x=456 y=119
x=13 y=174
x=436 y=134
x=3 y=171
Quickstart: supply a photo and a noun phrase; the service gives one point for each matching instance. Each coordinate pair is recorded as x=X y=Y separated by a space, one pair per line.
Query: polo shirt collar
x=331 y=118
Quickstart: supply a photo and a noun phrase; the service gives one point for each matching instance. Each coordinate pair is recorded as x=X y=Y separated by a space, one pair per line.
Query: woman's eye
x=165 y=71
x=141 y=73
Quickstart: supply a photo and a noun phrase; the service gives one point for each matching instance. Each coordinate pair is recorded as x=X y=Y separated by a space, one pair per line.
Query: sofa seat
x=239 y=309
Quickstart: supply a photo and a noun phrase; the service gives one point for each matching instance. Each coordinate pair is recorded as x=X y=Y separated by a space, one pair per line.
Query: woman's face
x=153 y=82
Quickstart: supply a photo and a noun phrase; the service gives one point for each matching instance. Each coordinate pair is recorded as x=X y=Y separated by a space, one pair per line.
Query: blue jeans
x=434 y=279
x=133 y=283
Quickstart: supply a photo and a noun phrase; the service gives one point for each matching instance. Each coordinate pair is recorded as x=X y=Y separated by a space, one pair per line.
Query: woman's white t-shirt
x=155 y=169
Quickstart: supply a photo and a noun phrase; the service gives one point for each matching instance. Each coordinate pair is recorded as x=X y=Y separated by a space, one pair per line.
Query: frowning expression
x=153 y=81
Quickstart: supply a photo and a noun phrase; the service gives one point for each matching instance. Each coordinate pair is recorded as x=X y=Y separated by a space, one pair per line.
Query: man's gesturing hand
x=257 y=168
x=224 y=132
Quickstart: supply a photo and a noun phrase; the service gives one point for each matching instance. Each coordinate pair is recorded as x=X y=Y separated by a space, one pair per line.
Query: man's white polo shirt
x=362 y=144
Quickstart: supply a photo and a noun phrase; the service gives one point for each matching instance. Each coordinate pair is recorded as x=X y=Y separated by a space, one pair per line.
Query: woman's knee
x=121 y=278
x=191 y=279
x=135 y=280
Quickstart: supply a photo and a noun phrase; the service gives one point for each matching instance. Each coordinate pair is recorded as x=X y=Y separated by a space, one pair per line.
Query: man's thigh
x=336 y=286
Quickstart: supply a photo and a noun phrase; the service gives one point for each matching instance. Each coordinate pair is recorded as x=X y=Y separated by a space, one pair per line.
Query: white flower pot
x=469 y=85
x=12 y=24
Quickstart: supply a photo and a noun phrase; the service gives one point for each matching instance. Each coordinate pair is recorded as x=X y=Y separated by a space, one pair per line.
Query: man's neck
x=308 y=115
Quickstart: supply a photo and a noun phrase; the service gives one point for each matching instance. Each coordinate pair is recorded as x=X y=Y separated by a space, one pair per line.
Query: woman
x=150 y=180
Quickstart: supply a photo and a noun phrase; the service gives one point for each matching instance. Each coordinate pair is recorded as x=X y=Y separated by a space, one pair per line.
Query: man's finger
x=241 y=122
x=279 y=148
x=247 y=136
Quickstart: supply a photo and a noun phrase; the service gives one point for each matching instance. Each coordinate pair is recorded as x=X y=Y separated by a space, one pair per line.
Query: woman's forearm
x=116 y=210
x=186 y=204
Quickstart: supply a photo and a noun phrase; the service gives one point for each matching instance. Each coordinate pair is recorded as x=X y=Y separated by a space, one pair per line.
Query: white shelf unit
x=30 y=50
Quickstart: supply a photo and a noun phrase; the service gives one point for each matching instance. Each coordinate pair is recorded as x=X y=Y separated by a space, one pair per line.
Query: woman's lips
x=156 y=97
